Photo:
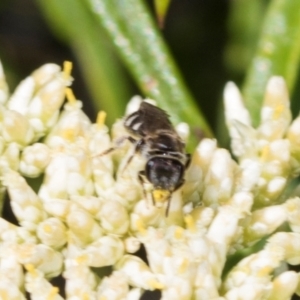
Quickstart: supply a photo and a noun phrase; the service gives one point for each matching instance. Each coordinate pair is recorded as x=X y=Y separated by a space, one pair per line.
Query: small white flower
x=25 y=203
x=105 y=251
x=38 y=286
x=91 y=213
x=137 y=272
x=83 y=227
x=52 y=232
x=34 y=160
x=284 y=285
x=114 y=287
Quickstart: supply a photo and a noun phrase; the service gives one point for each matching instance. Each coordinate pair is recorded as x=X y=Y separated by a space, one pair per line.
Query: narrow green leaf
x=161 y=9
x=243 y=24
x=140 y=45
x=278 y=53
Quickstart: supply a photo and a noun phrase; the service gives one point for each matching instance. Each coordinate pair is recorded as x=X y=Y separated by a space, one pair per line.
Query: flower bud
x=137 y=272
x=44 y=107
x=263 y=222
x=72 y=125
x=38 y=287
x=52 y=232
x=81 y=282
x=132 y=244
x=293 y=213
x=12 y=269
x=290 y=244
x=34 y=159
x=275 y=113
x=83 y=227
x=219 y=179
x=238 y=121
x=26 y=205
x=284 y=285
x=114 y=287
x=68 y=173
x=90 y=203
x=114 y=217
x=206 y=285
x=10 y=158
x=42 y=257
x=22 y=96
x=16 y=128
x=105 y=251
x=10 y=290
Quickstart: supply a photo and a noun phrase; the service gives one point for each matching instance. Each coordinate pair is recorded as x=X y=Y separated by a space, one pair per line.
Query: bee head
x=164 y=173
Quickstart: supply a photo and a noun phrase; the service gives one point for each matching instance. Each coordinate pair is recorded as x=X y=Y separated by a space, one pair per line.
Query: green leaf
x=277 y=54
x=141 y=47
x=244 y=24
x=161 y=9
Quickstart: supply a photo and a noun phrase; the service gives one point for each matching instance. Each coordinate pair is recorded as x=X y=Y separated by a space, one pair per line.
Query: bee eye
x=164 y=173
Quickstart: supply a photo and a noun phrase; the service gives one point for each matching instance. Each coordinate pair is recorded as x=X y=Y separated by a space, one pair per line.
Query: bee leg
x=137 y=148
x=141 y=177
x=118 y=143
x=179 y=185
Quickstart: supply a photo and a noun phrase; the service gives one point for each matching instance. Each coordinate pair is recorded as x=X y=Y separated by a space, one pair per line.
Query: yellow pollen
x=81 y=259
x=160 y=195
x=141 y=226
x=265 y=153
x=47 y=228
x=190 y=223
x=101 y=118
x=178 y=233
x=68 y=134
x=67 y=69
x=85 y=296
x=264 y=271
x=30 y=269
x=70 y=96
x=53 y=293
x=155 y=284
x=183 y=266
x=278 y=110
x=3 y=294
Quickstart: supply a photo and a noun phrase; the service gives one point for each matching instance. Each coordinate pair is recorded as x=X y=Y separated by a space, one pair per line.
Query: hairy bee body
x=155 y=138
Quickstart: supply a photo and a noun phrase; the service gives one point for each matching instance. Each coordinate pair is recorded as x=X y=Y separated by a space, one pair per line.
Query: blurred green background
x=207 y=42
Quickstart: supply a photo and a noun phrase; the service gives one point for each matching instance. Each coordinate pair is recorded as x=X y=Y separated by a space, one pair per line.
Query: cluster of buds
x=88 y=220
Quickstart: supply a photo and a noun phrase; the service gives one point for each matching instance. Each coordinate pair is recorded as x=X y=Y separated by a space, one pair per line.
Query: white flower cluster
x=90 y=213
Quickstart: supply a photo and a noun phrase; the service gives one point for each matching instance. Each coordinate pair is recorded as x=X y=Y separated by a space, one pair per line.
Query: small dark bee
x=155 y=138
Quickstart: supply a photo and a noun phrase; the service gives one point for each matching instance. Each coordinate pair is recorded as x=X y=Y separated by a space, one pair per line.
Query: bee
x=154 y=137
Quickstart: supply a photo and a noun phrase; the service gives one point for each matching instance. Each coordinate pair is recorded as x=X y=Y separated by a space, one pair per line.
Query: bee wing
x=147 y=120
